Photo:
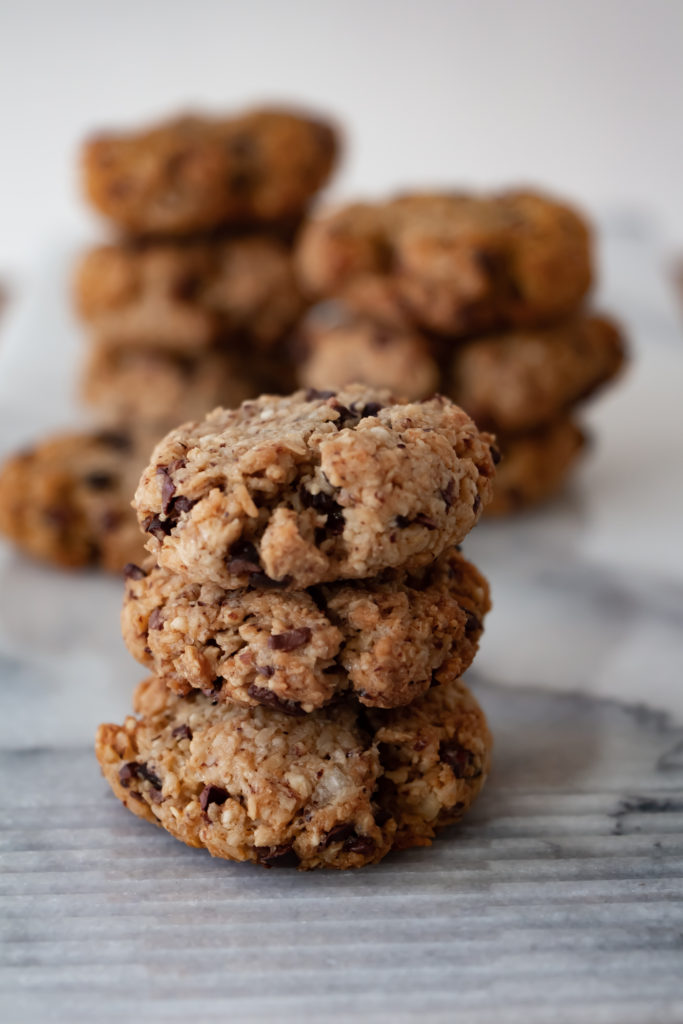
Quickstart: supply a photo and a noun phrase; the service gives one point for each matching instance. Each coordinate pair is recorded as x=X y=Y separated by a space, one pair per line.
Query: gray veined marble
x=559 y=899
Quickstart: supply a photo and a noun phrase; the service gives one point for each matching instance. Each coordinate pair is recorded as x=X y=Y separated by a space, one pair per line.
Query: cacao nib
x=458 y=758
x=156 y=619
x=182 y=732
x=277 y=856
x=262 y=695
x=243 y=557
x=360 y=844
x=131 y=571
x=338 y=834
x=290 y=640
x=212 y=795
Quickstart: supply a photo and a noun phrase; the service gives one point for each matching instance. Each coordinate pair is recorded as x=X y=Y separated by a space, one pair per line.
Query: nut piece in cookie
x=67 y=500
x=313 y=487
x=535 y=467
x=452 y=264
x=384 y=639
x=197 y=173
x=331 y=789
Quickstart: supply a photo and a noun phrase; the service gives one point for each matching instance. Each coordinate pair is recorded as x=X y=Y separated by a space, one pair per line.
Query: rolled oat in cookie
x=336 y=788
x=450 y=263
x=317 y=486
x=383 y=639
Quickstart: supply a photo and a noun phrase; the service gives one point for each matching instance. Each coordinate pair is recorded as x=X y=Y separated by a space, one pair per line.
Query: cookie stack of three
x=480 y=298
x=308 y=615
x=188 y=307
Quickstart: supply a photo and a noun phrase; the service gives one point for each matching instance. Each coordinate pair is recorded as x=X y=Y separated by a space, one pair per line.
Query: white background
x=583 y=97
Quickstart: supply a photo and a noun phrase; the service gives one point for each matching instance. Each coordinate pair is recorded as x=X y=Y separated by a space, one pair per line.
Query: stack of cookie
x=185 y=311
x=478 y=298
x=189 y=307
x=308 y=615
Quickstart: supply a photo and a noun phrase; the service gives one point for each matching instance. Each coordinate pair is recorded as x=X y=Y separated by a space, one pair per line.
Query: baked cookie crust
x=314 y=487
x=337 y=788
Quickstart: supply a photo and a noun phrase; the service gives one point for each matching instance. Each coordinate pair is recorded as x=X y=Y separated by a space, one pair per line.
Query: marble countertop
x=560 y=897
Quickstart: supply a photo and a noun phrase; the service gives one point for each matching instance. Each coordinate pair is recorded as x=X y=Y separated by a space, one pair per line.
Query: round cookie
x=195 y=173
x=333 y=789
x=452 y=264
x=314 y=487
x=535 y=467
x=150 y=385
x=67 y=500
x=385 y=639
x=517 y=381
x=359 y=350
x=186 y=296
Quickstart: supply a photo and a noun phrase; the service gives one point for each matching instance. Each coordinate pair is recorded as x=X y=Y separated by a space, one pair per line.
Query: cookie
x=150 y=385
x=361 y=351
x=385 y=639
x=195 y=173
x=336 y=788
x=452 y=264
x=314 y=487
x=535 y=467
x=187 y=296
x=67 y=500
x=517 y=381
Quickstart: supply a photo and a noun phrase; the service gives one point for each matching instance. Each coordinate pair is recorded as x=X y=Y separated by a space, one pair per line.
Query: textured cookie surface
x=535 y=466
x=336 y=788
x=150 y=385
x=187 y=296
x=385 y=638
x=196 y=173
x=453 y=264
x=364 y=352
x=519 y=380
x=314 y=487
x=67 y=501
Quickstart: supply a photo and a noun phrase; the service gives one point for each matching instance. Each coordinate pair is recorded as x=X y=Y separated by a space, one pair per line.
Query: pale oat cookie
x=517 y=381
x=384 y=638
x=67 y=500
x=187 y=296
x=195 y=173
x=334 y=789
x=449 y=263
x=314 y=487
x=535 y=466
x=358 y=350
x=149 y=385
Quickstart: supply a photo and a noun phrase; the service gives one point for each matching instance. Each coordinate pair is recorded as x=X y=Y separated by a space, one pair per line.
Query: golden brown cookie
x=67 y=500
x=187 y=296
x=336 y=788
x=453 y=264
x=535 y=467
x=313 y=487
x=151 y=385
x=360 y=351
x=516 y=381
x=195 y=173
x=385 y=639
